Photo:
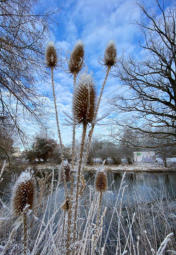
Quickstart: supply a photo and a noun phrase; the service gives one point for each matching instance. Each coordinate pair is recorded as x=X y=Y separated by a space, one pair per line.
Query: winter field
x=137 y=216
x=67 y=104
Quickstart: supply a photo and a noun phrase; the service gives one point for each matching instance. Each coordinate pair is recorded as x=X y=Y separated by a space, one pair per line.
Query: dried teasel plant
x=109 y=60
x=66 y=171
x=83 y=110
x=51 y=55
x=23 y=199
x=75 y=65
x=65 y=205
x=23 y=193
x=110 y=54
x=101 y=185
x=76 y=59
x=51 y=60
x=84 y=100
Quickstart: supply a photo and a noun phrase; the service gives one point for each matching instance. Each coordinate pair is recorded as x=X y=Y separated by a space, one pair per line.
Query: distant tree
x=42 y=149
x=45 y=149
x=22 y=34
x=104 y=150
x=96 y=146
x=151 y=81
x=127 y=141
x=6 y=144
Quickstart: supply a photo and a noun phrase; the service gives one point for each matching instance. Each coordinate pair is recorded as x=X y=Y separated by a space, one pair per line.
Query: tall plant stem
x=95 y=117
x=72 y=179
x=25 y=232
x=98 y=210
x=58 y=130
x=78 y=179
x=97 y=223
x=74 y=129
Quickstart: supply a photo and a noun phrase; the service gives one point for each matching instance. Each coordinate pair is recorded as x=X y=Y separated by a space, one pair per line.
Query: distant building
x=144 y=157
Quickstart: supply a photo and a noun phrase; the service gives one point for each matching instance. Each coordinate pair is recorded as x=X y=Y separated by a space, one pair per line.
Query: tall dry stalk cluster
x=85 y=109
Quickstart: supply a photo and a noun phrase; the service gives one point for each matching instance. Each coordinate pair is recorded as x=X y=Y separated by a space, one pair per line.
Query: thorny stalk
x=58 y=131
x=78 y=179
x=25 y=232
x=95 y=117
x=72 y=178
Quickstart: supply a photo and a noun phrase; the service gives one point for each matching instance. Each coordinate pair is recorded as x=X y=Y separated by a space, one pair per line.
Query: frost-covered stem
x=25 y=232
x=63 y=227
x=96 y=112
x=74 y=127
x=97 y=222
x=164 y=243
x=72 y=178
x=98 y=210
x=2 y=170
x=78 y=178
x=56 y=113
x=58 y=129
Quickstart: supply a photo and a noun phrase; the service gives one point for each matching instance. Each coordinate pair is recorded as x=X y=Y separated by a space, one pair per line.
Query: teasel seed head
x=110 y=54
x=23 y=193
x=101 y=182
x=51 y=55
x=66 y=205
x=66 y=171
x=84 y=100
x=77 y=58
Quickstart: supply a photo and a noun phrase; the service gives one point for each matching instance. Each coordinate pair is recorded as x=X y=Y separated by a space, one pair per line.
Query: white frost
x=85 y=79
x=24 y=177
x=78 y=44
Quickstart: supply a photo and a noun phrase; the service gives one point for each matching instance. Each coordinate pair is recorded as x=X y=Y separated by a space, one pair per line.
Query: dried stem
x=98 y=211
x=96 y=112
x=72 y=179
x=25 y=232
x=58 y=130
x=78 y=179
x=97 y=223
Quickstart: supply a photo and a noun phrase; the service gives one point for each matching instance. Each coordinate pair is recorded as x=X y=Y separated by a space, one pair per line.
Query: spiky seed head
x=51 y=55
x=110 y=54
x=65 y=205
x=23 y=193
x=77 y=58
x=101 y=182
x=84 y=100
x=67 y=172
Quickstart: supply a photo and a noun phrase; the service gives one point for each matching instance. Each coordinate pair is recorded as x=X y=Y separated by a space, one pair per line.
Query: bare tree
x=151 y=82
x=21 y=54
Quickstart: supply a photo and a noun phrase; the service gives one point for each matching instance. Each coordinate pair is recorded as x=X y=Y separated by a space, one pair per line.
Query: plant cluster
x=61 y=228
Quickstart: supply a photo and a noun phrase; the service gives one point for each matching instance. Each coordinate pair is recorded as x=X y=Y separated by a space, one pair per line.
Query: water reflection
x=140 y=187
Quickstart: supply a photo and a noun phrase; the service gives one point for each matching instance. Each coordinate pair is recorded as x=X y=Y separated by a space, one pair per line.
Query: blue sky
x=95 y=22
